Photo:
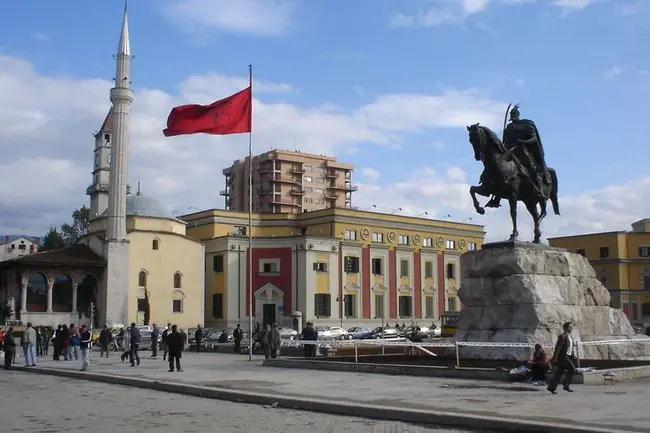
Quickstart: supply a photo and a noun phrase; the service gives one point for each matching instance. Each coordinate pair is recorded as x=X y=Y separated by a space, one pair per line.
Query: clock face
x=109 y=158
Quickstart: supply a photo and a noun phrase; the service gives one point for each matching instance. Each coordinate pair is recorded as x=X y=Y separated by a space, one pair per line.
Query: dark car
x=360 y=333
x=415 y=333
x=191 y=337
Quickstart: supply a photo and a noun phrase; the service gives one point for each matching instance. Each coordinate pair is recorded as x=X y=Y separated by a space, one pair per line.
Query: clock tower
x=98 y=190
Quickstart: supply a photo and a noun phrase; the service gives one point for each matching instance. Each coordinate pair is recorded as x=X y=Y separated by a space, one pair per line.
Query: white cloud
x=259 y=17
x=46 y=136
x=41 y=37
x=447 y=193
x=370 y=173
x=614 y=71
x=451 y=12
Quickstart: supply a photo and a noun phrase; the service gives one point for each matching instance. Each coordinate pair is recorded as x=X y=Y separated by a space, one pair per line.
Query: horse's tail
x=554 y=201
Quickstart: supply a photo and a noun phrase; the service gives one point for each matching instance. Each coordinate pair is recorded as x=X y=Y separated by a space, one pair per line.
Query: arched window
x=155 y=244
x=178 y=280
x=142 y=279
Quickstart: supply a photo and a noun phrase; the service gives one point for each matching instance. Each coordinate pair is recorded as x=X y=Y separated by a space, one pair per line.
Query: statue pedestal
x=516 y=292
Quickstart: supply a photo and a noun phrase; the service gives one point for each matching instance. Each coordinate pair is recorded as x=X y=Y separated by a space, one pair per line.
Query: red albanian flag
x=231 y=115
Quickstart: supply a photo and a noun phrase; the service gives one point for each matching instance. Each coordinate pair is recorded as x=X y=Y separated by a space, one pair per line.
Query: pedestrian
x=9 y=348
x=135 y=336
x=73 y=345
x=39 y=341
x=165 y=333
x=564 y=360
x=45 y=340
x=154 y=341
x=126 y=344
x=105 y=339
x=271 y=341
x=29 y=345
x=237 y=336
x=175 y=345
x=198 y=336
x=65 y=341
x=85 y=337
x=2 y=338
x=56 y=343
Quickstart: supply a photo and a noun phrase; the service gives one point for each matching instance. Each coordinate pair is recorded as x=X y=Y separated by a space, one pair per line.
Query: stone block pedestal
x=522 y=293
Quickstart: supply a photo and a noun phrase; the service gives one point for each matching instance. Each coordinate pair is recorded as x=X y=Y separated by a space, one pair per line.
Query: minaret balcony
x=224 y=192
x=99 y=187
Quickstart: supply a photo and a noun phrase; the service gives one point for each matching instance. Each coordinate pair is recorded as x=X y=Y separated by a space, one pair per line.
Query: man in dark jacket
x=9 y=348
x=135 y=336
x=564 y=360
x=154 y=341
x=175 y=345
x=237 y=335
x=85 y=340
x=198 y=336
x=105 y=339
x=165 y=333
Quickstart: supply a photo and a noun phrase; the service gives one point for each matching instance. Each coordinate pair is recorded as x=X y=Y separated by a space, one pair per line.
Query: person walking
x=154 y=341
x=126 y=344
x=9 y=348
x=105 y=339
x=175 y=345
x=29 y=345
x=85 y=337
x=564 y=360
x=237 y=336
x=73 y=348
x=135 y=335
x=165 y=333
x=198 y=336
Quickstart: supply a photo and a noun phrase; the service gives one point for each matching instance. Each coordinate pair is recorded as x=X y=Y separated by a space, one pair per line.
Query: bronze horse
x=505 y=177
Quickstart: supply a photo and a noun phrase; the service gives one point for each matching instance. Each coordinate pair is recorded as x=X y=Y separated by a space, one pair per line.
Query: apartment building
x=287 y=181
x=12 y=247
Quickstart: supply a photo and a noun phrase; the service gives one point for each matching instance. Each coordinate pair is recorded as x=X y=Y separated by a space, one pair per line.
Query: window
x=351 y=265
x=376 y=267
x=308 y=200
x=217 y=305
x=403 y=240
x=603 y=252
x=471 y=246
x=644 y=251
x=22 y=247
x=307 y=178
x=379 y=306
x=142 y=279
x=451 y=271
x=378 y=237
x=451 y=304
x=403 y=268
x=322 y=305
x=217 y=263
x=142 y=305
x=177 y=306
x=428 y=306
x=308 y=168
x=308 y=189
x=319 y=190
x=350 y=305
x=646 y=282
x=269 y=267
x=320 y=267
x=427 y=242
x=178 y=280
x=155 y=244
x=428 y=269
x=450 y=244
x=405 y=306
x=581 y=251
x=351 y=235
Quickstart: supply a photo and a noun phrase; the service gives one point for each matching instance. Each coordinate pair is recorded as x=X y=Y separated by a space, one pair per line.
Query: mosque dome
x=141 y=205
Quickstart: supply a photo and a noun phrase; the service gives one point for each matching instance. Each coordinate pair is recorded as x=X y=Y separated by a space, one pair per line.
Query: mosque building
x=136 y=264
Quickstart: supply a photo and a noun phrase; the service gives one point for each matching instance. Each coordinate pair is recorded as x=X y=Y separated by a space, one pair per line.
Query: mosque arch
x=62 y=294
x=37 y=293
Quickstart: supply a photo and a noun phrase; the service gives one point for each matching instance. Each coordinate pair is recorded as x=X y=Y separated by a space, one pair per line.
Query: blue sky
x=387 y=85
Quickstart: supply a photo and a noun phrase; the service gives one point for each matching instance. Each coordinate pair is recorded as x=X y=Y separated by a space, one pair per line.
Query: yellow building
x=165 y=265
x=622 y=263
x=332 y=266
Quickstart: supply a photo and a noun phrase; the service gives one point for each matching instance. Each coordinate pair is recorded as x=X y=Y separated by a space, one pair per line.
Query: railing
x=224 y=192
x=99 y=187
x=297 y=191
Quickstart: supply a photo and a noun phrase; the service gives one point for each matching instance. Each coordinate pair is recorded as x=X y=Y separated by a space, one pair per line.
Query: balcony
x=347 y=187
x=100 y=187
x=331 y=175
x=298 y=191
x=224 y=192
x=277 y=177
x=285 y=202
x=331 y=196
x=297 y=169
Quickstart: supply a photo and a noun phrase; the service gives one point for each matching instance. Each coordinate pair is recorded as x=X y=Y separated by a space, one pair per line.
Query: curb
x=386 y=413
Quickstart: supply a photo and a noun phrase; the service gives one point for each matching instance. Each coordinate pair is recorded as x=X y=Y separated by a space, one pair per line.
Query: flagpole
x=250 y=220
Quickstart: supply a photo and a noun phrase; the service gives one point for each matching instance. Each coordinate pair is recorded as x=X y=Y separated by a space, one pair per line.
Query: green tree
x=53 y=240
x=79 y=227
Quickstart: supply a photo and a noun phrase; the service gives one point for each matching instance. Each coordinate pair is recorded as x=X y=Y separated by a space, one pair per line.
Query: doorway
x=268 y=314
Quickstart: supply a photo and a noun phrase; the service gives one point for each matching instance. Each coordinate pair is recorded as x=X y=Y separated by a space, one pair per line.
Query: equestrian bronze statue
x=514 y=169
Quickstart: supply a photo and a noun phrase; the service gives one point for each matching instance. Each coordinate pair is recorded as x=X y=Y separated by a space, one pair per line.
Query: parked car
x=324 y=333
x=415 y=333
x=435 y=331
x=385 y=333
x=360 y=333
x=338 y=333
x=288 y=333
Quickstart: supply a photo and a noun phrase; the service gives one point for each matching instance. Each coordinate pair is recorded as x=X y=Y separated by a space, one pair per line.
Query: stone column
x=23 y=296
x=75 y=289
x=48 y=286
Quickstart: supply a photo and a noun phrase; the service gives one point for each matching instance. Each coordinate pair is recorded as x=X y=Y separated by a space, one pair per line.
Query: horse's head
x=484 y=141
x=477 y=140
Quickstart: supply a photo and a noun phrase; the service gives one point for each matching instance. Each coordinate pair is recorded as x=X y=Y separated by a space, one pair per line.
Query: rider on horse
x=522 y=139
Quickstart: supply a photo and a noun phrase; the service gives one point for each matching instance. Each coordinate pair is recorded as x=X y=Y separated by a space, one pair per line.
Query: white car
x=338 y=333
x=324 y=333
